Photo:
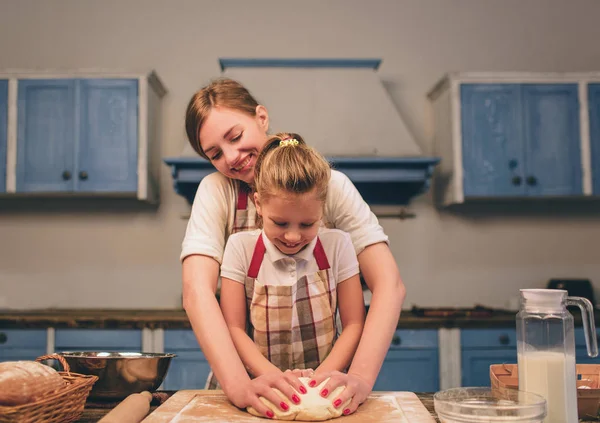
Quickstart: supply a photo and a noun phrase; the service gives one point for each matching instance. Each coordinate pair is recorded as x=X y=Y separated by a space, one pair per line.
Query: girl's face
x=290 y=221
x=233 y=139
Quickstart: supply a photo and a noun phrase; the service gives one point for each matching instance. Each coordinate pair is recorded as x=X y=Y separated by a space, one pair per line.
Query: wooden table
x=92 y=415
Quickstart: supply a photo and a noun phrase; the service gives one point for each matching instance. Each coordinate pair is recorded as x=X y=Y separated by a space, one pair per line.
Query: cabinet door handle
x=504 y=340
x=516 y=180
x=531 y=180
x=83 y=175
x=396 y=340
x=3 y=338
x=66 y=175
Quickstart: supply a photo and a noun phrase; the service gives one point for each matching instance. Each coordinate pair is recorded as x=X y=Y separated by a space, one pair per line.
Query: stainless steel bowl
x=120 y=373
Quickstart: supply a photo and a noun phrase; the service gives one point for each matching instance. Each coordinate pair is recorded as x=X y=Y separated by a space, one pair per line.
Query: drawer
x=421 y=338
x=101 y=339
x=23 y=338
x=177 y=339
x=189 y=370
x=180 y=339
x=415 y=370
x=488 y=338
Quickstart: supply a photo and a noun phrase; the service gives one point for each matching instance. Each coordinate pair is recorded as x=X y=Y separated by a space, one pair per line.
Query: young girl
x=292 y=276
x=227 y=126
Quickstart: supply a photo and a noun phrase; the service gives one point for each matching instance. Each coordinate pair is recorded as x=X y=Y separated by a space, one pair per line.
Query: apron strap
x=259 y=254
x=257 y=257
x=242 y=199
x=320 y=256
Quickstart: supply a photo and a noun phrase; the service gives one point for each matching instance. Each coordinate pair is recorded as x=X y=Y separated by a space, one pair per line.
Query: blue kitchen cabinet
x=45 y=137
x=190 y=369
x=512 y=136
x=22 y=344
x=520 y=140
x=118 y=340
x=480 y=348
x=552 y=140
x=3 y=132
x=108 y=147
x=594 y=115
x=77 y=135
x=492 y=143
x=412 y=362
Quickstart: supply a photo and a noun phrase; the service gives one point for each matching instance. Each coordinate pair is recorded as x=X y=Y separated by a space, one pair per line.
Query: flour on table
x=312 y=408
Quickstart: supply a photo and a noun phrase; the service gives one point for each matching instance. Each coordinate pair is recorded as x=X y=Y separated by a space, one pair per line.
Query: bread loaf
x=22 y=382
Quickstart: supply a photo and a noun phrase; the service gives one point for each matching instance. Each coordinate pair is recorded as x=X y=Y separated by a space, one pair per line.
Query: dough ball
x=312 y=408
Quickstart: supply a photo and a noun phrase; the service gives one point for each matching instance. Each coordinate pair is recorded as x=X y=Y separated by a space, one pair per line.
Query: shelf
x=380 y=180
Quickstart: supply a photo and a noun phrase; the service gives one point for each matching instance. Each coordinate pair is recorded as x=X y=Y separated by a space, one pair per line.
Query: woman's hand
x=357 y=389
x=247 y=394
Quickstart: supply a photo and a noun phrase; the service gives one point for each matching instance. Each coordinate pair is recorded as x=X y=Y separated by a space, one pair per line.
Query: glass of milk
x=546 y=349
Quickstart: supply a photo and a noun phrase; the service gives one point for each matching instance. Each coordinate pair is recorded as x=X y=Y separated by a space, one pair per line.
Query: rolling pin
x=132 y=409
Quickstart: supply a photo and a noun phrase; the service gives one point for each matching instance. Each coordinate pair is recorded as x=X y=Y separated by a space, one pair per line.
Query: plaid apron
x=244 y=220
x=294 y=327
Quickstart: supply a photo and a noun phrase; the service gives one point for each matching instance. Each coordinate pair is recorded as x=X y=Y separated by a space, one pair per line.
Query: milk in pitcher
x=551 y=374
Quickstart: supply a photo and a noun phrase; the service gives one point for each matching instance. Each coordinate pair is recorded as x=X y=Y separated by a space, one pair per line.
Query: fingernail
x=284 y=406
x=347 y=411
x=337 y=403
x=312 y=383
x=295 y=398
x=324 y=392
x=270 y=414
x=302 y=390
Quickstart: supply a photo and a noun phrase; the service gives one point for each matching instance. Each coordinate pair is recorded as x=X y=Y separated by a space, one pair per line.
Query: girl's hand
x=357 y=389
x=247 y=394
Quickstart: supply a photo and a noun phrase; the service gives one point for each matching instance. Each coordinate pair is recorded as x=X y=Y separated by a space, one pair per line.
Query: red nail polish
x=295 y=398
x=284 y=406
x=270 y=414
x=347 y=411
x=312 y=383
x=337 y=403
x=324 y=392
x=302 y=390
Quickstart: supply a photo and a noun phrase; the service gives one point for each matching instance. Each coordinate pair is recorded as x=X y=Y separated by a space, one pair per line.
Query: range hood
x=341 y=108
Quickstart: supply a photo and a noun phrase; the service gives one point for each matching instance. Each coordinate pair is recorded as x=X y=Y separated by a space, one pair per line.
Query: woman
x=227 y=126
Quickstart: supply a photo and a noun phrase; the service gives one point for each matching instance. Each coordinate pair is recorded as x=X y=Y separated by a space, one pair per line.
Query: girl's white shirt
x=213 y=213
x=281 y=269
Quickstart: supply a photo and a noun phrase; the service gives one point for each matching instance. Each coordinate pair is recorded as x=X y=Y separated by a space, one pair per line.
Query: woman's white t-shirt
x=213 y=213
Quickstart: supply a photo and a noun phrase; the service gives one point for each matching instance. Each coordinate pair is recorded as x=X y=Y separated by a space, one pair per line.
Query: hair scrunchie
x=288 y=143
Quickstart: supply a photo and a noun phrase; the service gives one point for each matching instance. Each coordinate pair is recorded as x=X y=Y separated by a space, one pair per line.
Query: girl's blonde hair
x=220 y=92
x=292 y=167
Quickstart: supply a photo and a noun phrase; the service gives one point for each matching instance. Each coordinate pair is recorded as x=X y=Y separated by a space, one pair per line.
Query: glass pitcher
x=546 y=349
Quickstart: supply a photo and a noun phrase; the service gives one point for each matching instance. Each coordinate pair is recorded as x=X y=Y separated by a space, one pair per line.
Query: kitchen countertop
x=414 y=318
x=177 y=319
x=92 y=415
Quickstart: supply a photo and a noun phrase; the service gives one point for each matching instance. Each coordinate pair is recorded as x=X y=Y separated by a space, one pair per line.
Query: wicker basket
x=506 y=376
x=65 y=405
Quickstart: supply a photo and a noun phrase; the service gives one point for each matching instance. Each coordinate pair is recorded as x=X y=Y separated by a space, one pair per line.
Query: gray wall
x=110 y=256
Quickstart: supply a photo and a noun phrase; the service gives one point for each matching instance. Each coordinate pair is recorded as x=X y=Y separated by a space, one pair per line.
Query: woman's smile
x=244 y=166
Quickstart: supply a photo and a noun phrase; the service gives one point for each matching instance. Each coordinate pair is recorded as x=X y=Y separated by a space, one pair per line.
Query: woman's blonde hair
x=220 y=92
x=290 y=166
